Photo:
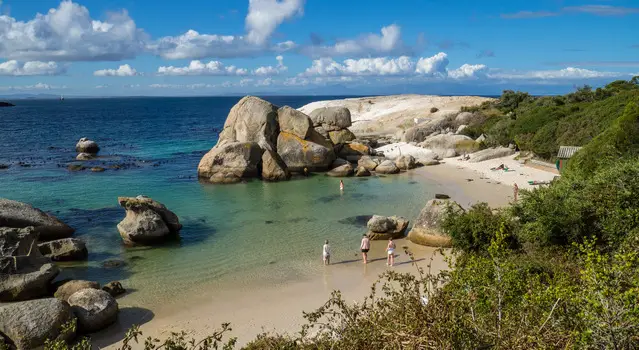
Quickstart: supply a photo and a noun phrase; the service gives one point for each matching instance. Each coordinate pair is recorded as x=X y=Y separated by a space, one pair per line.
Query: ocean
x=243 y=234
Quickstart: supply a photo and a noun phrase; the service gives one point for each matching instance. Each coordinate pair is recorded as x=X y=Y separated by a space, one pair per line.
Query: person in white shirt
x=326 y=253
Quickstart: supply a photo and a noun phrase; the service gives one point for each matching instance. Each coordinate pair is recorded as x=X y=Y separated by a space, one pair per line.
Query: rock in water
x=251 y=120
x=341 y=171
x=94 y=308
x=294 y=122
x=387 y=167
x=17 y=214
x=235 y=160
x=24 y=272
x=6 y=104
x=147 y=221
x=315 y=153
x=331 y=118
x=87 y=146
x=405 y=162
x=66 y=249
x=114 y=288
x=274 y=168
x=368 y=163
x=382 y=227
x=380 y=223
x=69 y=288
x=84 y=156
x=28 y=324
x=427 y=228
x=341 y=136
x=361 y=172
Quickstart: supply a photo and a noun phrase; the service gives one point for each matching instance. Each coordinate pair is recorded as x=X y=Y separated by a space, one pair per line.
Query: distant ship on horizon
x=61 y=98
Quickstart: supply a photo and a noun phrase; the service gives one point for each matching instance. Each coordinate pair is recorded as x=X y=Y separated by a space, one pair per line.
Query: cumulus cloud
x=193 y=45
x=123 y=71
x=37 y=86
x=31 y=68
x=270 y=70
x=435 y=65
x=469 y=71
x=265 y=15
x=68 y=33
x=380 y=66
x=181 y=86
x=200 y=68
x=568 y=73
x=388 y=43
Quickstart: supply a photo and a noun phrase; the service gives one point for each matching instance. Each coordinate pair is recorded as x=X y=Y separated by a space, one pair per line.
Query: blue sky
x=208 y=47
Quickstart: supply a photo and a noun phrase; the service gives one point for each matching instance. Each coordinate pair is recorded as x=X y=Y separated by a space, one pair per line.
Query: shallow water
x=255 y=231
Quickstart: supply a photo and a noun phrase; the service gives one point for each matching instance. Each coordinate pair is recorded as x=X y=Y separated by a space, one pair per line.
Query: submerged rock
x=66 y=249
x=147 y=221
x=87 y=146
x=94 y=308
x=84 y=156
x=427 y=228
x=17 y=214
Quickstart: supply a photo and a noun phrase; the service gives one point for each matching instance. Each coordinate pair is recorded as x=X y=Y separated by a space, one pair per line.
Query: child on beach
x=365 y=246
x=326 y=253
x=390 y=249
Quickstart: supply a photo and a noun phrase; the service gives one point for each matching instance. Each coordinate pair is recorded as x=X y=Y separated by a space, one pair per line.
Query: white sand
x=385 y=114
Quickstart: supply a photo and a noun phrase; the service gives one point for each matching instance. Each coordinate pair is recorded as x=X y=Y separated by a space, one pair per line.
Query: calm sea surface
x=266 y=232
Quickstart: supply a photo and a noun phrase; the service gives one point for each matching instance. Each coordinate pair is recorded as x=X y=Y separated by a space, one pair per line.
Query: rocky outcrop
x=28 y=324
x=147 y=221
x=387 y=167
x=294 y=122
x=331 y=118
x=94 y=308
x=314 y=153
x=24 y=272
x=362 y=171
x=230 y=162
x=341 y=171
x=420 y=132
x=491 y=153
x=368 y=162
x=382 y=227
x=6 y=104
x=353 y=151
x=464 y=118
x=341 y=136
x=273 y=167
x=18 y=215
x=427 y=228
x=66 y=290
x=114 y=288
x=406 y=162
x=251 y=120
x=66 y=249
x=87 y=146
x=448 y=145
x=84 y=156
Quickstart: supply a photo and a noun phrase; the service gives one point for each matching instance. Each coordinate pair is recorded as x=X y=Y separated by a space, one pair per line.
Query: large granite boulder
x=341 y=136
x=273 y=167
x=251 y=120
x=294 y=122
x=361 y=171
x=66 y=249
x=368 y=162
x=66 y=290
x=26 y=325
x=94 y=308
x=427 y=228
x=17 y=214
x=382 y=227
x=341 y=171
x=420 y=132
x=353 y=151
x=331 y=118
x=24 y=272
x=464 y=118
x=491 y=153
x=230 y=162
x=387 y=167
x=406 y=162
x=147 y=221
x=87 y=146
x=447 y=145
x=314 y=153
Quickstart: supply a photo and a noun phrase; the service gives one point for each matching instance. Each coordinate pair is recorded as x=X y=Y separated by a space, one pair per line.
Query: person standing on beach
x=515 y=191
x=326 y=253
x=365 y=246
x=390 y=249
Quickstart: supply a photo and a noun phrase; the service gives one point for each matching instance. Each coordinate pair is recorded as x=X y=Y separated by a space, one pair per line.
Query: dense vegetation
x=558 y=269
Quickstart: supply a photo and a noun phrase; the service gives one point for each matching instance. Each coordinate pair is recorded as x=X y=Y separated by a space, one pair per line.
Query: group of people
x=364 y=246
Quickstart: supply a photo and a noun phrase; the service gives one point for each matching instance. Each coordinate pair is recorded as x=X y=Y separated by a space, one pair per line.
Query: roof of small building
x=566 y=152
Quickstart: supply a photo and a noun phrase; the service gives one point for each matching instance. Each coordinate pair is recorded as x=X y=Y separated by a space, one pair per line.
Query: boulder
x=481 y=138
x=491 y=153
x=251 y=120
x=320 y=130
x=294 y=122
x=341 y=136
x=362 y=171
x=235 y=160
x=24 y=272
x=420 y=132
x=382 y=227
x=427 y=228
x=94 y=308
x=69 y=288
x=114 y=288
x=354 y=150
x=464 y=118
x=66 y=249
x=84 y=156
x=449 y=145
x=315 y=154
x=387 y=167
x=331 y=118
x=406 y=162
x=368 y=162
x=273 y=167
x=28 y=324
x=17 y=214
x=461 y=128
x=147 y=221
x=87 y=146
x=341 y=171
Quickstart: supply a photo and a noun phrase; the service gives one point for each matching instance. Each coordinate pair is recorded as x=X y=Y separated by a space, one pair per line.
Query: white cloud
x=270 y=70
x=388 y=43
x=265 y=15
x=68 y=33
x=16 y=68
x=37 y=86
x=123 y=71
x=469 y=71
x=381 y=66
x=193 y=45
x=101 y=86
x=562 y=74
x=435 y=65
x=181 y=86
x=201 y=68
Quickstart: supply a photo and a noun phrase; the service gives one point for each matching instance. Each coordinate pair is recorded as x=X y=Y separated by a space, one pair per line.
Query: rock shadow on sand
x=127 y=318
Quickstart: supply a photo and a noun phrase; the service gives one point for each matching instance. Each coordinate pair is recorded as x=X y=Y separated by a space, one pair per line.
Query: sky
x=323 y=47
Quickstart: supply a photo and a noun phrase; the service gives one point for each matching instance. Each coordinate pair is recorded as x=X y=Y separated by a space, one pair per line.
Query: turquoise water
x=255 y=231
